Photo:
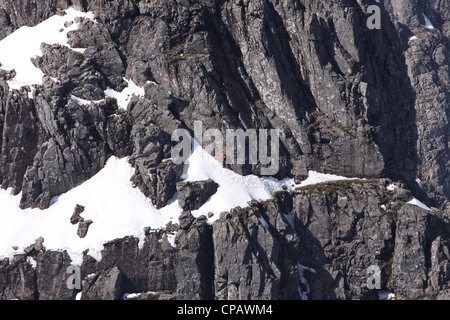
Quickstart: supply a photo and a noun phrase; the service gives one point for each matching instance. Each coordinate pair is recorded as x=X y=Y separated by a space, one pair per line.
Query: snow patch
x=420 y=204
x=290 y=218
x=428 y=23
x=82 y=102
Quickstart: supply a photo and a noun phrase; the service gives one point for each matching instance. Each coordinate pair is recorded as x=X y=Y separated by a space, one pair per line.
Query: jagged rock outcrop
x=108 y=286
x=316 y=242
x=74 y=148
x=426 y=50
x=76 y=216
x=192 y=195
x=29 y=12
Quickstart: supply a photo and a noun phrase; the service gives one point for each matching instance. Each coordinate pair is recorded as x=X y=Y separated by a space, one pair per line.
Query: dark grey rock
x=192 y=195
x=30 y=13
x=409 y=271
x=35 y=248
x=76 y=214
x=347 y=100
x=186 y=219
x=51 y=276
x=68 y=157
x=343 y=129
x=149 y=268
x=83 y=228
x=17 y=279
x=149 y=296
x=75 y=70
x=194 y=263
x=107 y=286
x=439 y=275
x=100 y=50
x=171 y=227
x=19 y=139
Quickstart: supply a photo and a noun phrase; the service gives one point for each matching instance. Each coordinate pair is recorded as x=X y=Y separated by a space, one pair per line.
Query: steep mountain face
x=316 y=242
x=426 y=55
x=348 y=100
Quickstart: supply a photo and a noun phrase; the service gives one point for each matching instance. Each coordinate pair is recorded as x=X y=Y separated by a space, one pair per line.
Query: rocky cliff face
x=316 y=242
x=348 y=100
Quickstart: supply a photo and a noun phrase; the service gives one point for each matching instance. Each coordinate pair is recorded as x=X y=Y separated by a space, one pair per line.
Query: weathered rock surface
x=83 y=228
x=192 y=195
x=107 y=286
x=348 y=100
